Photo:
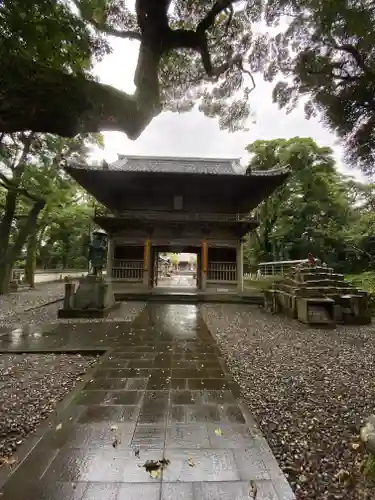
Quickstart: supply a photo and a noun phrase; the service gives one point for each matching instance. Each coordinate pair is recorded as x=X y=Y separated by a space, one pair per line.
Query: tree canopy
x=36 y=193
x=191 y=53
x=324 y=53
x=318 y=210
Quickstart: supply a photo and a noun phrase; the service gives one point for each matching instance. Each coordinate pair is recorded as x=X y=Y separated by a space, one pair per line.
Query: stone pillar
x=204 y=265
x=240 y=266
x=146 y=262
x=110 y=255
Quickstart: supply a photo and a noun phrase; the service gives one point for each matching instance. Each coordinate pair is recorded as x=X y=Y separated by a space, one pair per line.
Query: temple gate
x=150 y=205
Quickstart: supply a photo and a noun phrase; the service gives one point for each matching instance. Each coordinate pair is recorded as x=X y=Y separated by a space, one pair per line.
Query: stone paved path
x=161 y=391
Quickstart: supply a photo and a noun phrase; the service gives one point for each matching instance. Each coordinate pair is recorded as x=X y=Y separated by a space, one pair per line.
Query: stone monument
x=316 y=295
x=93 y=296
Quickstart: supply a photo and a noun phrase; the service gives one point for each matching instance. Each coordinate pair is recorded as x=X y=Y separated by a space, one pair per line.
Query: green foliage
x=318 y=210
x=324 y=52
x=31 y=174
x=174 y=259
x=192 y=54
x=199 y=53
x=48 y=31
x=365 y=281
x=369 y=469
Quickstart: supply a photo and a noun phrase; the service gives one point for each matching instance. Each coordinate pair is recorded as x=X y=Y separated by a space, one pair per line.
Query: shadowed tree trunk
x=10 y=255
x=31 y=258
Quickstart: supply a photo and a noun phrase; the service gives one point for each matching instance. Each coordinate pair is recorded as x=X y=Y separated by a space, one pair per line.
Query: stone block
x=354 y=309
x=368 y=434
x=270 y=301
x=316 y=311
x=317 y=295
x=13 y=286
x=93 y=297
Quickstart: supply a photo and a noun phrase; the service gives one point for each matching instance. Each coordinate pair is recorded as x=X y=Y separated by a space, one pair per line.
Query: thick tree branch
x=108 y=30
x=197 y=41
x=104 y=28
x=42 y=99
x=209 y=20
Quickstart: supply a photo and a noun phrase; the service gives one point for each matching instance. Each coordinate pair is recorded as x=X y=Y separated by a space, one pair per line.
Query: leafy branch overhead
x=189 y=52
x=199 y=53
x=325 y=54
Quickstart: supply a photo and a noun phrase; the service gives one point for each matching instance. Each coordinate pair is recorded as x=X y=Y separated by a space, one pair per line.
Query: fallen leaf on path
x=218 y=432
x=58 y=427
x=191 y=462
x=8 y=461
x=253 y=490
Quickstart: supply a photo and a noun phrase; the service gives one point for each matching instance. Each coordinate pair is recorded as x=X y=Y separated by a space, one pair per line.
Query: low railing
x=177 y=216
x=277 y=268
x=131 y=270
x=222 y=271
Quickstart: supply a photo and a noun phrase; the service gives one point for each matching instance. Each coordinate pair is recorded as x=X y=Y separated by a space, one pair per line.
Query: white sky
x=194 y=135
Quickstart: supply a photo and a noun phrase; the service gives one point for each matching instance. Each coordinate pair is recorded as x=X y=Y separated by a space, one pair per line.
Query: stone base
x=93 y=298
x=314 y=311
x=88 y=313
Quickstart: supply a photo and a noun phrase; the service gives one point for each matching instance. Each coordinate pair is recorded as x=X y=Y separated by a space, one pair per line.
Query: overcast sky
x=194 y=135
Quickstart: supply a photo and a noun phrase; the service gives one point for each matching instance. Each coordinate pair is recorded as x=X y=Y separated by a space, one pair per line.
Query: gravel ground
x=310 y=391
x=17 y=302
x=31 y=386
x=48 y=315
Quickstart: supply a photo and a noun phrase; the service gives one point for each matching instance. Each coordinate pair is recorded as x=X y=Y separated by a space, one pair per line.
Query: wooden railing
x=131 y=270
x=177 y=216
x=222 y=271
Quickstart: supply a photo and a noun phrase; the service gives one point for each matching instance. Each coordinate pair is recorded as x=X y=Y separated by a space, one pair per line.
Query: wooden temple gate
x=192 y=205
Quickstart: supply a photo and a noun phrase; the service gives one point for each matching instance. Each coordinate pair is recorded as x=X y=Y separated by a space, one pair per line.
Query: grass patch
x=264 y=283
x=366 y=280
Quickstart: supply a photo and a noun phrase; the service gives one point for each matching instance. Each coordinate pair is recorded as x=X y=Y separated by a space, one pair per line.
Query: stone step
x=177 y=298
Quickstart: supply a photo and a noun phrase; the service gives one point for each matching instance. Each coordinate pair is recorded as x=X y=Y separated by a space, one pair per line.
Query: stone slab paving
x=161 y=397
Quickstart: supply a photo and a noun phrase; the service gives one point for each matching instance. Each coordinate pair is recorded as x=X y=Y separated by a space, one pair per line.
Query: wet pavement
x=159 y=418
x=178 y=281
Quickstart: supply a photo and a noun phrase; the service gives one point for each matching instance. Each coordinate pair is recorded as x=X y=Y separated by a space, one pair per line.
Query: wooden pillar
x=240 y=266
x=146 y=262
x=198 y=270
x=204 y=265
x=110 y=255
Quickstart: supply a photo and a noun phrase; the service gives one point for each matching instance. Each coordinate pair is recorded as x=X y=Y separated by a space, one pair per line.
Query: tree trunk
x=31 y=259
x=9 y=257
x=11 y=198
x=6 y=222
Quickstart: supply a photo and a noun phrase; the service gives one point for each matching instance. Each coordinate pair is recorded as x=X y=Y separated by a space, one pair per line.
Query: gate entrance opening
x=151 y=207
x=176 y=270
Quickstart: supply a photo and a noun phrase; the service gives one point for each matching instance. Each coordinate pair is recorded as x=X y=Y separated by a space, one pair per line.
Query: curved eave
x=272 y=172
x=110 y=186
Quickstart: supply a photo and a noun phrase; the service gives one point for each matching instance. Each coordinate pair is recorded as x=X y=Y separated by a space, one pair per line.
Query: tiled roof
x=176 y=165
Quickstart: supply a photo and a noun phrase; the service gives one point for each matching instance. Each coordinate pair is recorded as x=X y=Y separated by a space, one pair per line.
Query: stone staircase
x=317 y=295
